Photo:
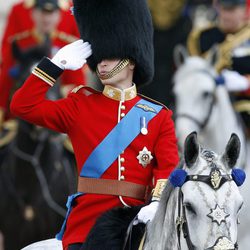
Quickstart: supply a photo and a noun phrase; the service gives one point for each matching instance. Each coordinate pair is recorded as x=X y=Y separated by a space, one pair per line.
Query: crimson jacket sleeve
x=166 y=149
x=30 y=103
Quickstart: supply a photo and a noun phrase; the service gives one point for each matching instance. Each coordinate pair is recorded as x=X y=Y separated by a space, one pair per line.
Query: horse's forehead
x=207 y=161
x=195 y=71
x=228 y=194
x=196 y=82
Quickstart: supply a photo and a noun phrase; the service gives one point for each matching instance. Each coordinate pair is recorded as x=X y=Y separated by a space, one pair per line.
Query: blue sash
x=113 y=145
x=118 y=139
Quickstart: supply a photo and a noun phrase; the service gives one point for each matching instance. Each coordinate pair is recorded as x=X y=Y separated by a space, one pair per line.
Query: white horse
x=198 y=209
x=204 y=106
x=205 y=212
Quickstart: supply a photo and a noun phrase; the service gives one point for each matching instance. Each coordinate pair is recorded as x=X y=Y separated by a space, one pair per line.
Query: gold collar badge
x=120 y=95
x=144 y=157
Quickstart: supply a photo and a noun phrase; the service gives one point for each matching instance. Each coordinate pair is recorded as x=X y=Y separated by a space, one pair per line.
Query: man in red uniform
x=124 y=143
x=28 y=25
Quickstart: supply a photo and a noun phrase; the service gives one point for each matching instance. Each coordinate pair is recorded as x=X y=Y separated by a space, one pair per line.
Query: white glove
x=72 y=56
x=147 y=213
x=235 y=81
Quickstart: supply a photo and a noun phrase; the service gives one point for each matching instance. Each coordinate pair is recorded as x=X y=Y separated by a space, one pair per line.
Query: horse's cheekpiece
x=144 y=157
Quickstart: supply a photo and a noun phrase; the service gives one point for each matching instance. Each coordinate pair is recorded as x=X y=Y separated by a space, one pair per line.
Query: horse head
x=200 y=205
x=203 y=105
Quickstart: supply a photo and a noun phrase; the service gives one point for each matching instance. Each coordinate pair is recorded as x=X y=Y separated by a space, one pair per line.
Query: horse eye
x=206 y=94
x=189 y=207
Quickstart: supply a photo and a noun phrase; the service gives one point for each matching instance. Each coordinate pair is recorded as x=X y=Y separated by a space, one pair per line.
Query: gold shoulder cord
x=157 y=191
x=226 y=47
x=193 y=44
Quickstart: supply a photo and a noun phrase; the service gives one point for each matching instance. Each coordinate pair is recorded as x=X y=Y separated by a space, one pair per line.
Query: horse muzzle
x=223 y=243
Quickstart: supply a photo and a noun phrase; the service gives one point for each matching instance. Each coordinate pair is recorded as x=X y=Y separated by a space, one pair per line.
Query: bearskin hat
x=118 y=29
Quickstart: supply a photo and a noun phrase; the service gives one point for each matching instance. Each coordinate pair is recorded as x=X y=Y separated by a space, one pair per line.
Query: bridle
x=35 y=163
x=201 y=124
x=182 y=222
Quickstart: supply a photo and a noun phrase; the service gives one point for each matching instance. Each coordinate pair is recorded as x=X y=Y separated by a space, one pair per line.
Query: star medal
x=218 y=214
x=144 y=157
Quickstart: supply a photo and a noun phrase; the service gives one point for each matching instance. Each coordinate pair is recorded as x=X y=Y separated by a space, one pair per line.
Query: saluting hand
x=72 y=56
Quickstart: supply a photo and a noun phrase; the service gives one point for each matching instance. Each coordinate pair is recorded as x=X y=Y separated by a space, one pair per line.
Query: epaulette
x=193 y=41
x=87 y=88
x=65 y=37
x=153 y=101
x=21 y=35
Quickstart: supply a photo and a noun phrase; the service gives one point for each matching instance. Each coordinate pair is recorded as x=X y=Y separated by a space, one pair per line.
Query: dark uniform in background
x=171 y=27
x=233 y=49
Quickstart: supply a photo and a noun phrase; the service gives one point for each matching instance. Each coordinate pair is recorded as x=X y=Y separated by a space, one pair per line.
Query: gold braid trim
x=157 y=191
x=242 y=106
x=226 y=47
x=193 y=41
x=118 y=68
x=45 y=74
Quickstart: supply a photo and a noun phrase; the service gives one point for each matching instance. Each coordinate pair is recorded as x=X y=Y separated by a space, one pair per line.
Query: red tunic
x=20 y=27
x=87 y=118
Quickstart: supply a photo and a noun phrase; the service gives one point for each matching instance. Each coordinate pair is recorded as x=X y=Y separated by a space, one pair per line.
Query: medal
x=144 y=129
x=144 y=157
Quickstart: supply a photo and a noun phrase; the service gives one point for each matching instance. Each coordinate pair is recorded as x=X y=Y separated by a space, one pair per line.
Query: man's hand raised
x=72 y=56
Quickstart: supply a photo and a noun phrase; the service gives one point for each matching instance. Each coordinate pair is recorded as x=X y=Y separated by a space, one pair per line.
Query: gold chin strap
x=118 y=68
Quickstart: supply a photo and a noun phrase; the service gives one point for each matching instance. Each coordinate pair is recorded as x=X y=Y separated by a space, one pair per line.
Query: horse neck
x=161 y=233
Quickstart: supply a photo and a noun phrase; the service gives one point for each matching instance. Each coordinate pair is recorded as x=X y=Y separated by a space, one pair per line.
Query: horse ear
x=191 y=149
x=180 y=54
x=232 y=151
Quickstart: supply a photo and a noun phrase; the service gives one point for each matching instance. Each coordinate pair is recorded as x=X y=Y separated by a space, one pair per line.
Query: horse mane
x=164 y=218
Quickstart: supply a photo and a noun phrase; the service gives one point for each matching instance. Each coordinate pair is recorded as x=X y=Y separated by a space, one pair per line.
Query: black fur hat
x=118 y=29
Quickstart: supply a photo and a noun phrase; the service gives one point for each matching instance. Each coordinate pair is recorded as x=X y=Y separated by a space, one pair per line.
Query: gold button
x=122 y=160
x=122 y=114
x=122 y=168
x=123 y=107
x=122 y=177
